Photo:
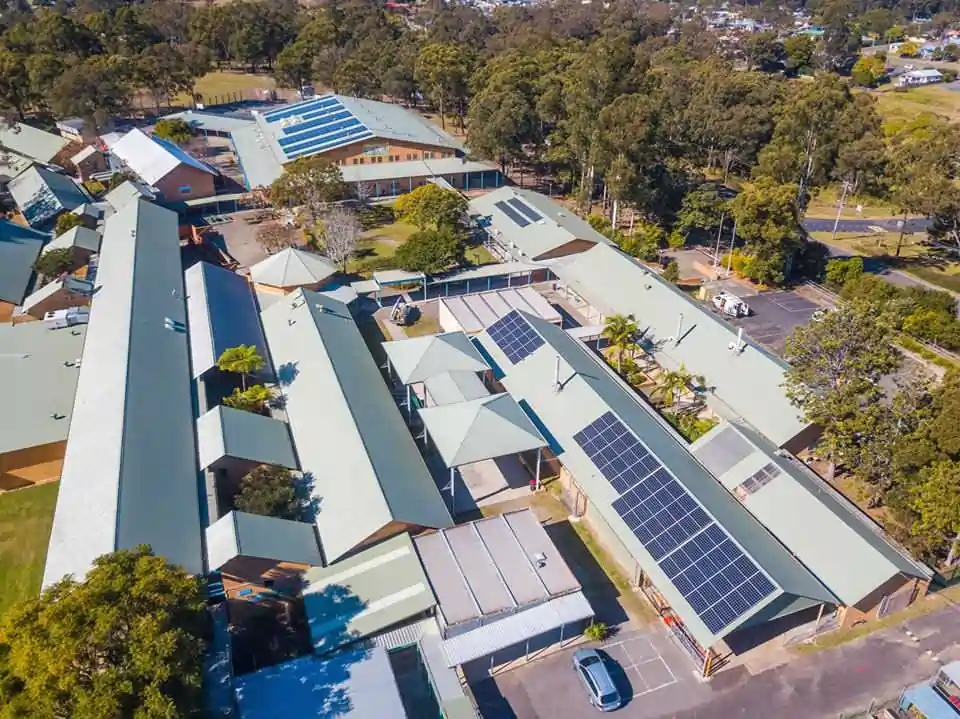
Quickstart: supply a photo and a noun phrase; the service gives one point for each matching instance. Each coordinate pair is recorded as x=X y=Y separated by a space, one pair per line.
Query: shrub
x=596 y=631
x=66 y=221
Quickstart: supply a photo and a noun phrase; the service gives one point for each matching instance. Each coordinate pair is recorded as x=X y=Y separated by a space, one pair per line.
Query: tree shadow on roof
x=287 y=373
x=304 y=486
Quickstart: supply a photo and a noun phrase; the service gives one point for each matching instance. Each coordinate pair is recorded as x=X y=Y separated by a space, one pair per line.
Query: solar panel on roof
x=525 y=210
x=518 y=219
x=711 y=572
x=514 y=336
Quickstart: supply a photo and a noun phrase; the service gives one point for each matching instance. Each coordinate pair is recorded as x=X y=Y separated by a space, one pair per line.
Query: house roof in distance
x=531 y=222
x=746 y=384
x=129 y=473
x=419 y=358
x=19 y=248
x=39 y=369
x=222 y=313
x=479 y=429
x=848 y=552
x=240 y=534
x=345 y=423
x=32 y=142
x=229 y=432
x=153 y=158
x=42 y=194
x=293 y=268
x=671 y=515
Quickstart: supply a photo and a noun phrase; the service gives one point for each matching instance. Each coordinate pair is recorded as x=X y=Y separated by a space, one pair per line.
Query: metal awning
x=490 y=638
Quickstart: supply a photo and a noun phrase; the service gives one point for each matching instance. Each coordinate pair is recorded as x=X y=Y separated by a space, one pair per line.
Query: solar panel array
x=514 y=335
x=518 y=219
x=520 y=212
x=316 y=125
x=525 y=209
x=717 y=579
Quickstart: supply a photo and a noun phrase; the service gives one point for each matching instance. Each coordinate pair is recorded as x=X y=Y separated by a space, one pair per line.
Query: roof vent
x=320 y=307
x=541 y=559
x=57 y=415
x=174 y=325
x=739 y=345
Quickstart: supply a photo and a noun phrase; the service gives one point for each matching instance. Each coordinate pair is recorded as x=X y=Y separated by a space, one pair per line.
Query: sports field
x=26 y=516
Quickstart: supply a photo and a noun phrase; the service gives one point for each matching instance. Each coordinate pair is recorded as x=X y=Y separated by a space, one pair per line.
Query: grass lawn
x=902 y=106
x=424 y=326
x=379 y=243
x=480 y=255
x=220 y=83
x=824 y=205
x=26 y=516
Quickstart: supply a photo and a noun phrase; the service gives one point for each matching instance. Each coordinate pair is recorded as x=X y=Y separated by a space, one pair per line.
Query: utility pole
x=716 y=255
x=733 y=239
x=843 y=196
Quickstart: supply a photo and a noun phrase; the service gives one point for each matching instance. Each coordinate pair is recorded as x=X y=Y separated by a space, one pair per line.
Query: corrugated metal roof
x=365 y=594
x=516 y=629
x=126 y=192
x=79 y=236
x=39 y=386
x=479 y=429
x=445 y=680
x=847 y=551
x=240 y=534
x=357 y=683
x=210 y=121
x=222 y=313
x=419 y=358
x=153 y=158
x=748 y=383
x=256 y=156
x=589 y=390
x=557 y=226
x=32 y=142
x=497 y=269
x=42 y=194
x=478 y=311
x=19 y=248
x=452 y=387
x=228 y=432
x=129 y=474
x=345 y=424
x=293 y=268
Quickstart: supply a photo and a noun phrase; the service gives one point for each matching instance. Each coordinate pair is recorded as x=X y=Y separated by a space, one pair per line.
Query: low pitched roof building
x=42 y=194
x=240 y=534
x=292 y=268
x=79 y=237
x=745 y=382
x=154 y=158
x=345 y=423
x=31 y=142
x=129 y=474
x=526 y=225
x=19 y=249
x=420 y=358
x=225 y=433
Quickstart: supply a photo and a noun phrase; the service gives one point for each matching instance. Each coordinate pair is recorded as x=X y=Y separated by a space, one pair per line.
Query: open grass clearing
x=219 y=85
x=423 y=326
x=26 y=516
x=825 y=205
x=895 y=106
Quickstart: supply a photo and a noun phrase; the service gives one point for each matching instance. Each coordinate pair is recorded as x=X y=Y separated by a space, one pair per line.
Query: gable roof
x=745 y=384
x=153 y=158
x=847 y=551
x=507 y=214
x=31 y=142
x=126 y=192
x=79 y=236
x=345 y=423
x=129 y=474
x=293 y=268
x=240 y=534
x=42 y=194
x=479 y=429
x=19 y=248
x=589 y=390
x=419 y=358
x=40 y=381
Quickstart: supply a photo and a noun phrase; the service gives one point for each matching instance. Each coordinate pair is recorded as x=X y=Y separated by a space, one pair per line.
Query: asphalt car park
x=774 y=316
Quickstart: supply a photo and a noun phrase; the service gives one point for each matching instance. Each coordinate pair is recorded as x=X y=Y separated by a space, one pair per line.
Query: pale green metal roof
x=228 y=432
x=79 y=236
x=31 y=142
x=241 y=534
x=451 y=387
x=419 y=358
x=366 y=594
x=293 y=268
x=19 y=248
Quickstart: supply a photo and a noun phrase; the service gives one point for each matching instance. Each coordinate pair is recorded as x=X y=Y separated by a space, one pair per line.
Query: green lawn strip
x=26 y=516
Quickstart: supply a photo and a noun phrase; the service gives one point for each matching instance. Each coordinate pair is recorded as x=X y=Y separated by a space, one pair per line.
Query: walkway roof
x=228 y=432
x=531 y=222
x=293 y=268
x=345 y=424
x=848 y=551
x=747 y=383
x=419 y=358
x=222 y=313
x=39 y=383
x=129 y=474
x=239 y=534
x=365 y=594
x=590 y=391
x=479 y=429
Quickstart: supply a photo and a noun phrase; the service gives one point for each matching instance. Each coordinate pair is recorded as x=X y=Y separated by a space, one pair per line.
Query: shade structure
x=480 y=429
x=420 y=358
x=293 y=268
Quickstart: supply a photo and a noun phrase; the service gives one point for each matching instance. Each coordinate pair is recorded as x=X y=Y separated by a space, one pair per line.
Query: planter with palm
x=672 y=384
x=243 y=360
x=620 y=331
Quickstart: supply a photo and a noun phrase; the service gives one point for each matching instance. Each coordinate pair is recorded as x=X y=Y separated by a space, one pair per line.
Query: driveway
x=845 y=679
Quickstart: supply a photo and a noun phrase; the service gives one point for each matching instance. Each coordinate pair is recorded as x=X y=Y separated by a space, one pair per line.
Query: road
x=817 y=224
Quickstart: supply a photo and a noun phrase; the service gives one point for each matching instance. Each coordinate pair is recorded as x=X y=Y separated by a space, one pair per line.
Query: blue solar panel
x=514 y=336
x=300 y=108
x=711 y=572
x=327 y=143
x=518 y=219
x=293 y=142
x=317 y=126
x=525 y=210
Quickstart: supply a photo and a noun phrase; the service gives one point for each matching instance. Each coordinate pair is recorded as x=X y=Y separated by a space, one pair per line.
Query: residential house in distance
x=165 y=166
x=915 y=78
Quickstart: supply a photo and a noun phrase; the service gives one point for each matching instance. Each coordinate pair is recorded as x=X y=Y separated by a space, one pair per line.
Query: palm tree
x=674 y=383
x=619 y=331
x=253 y=399
x=244 y=360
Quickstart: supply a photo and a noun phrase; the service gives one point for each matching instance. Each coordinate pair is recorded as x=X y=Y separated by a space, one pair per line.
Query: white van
x=58 y=319
x=731 y=305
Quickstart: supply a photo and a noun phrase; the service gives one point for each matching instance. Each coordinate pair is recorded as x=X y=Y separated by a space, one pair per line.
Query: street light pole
x=733 y=239
x=836 y=222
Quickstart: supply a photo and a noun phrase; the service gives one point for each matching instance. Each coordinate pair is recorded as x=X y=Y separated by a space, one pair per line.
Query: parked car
x=731 y=305
x=594 y=674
